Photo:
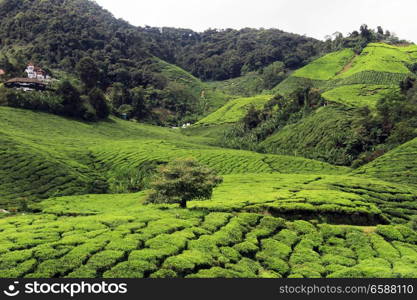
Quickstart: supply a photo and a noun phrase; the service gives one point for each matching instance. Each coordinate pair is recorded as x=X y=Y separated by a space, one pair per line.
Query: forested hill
x=60 y=32
x=224 y=54
x=57 y=34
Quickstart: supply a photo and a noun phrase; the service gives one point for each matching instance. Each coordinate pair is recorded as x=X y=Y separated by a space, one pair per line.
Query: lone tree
x=183 y=180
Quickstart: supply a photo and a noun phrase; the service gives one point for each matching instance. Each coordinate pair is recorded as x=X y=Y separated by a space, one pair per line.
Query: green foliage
x=273 y=74
x=234 y=110
x=382 y=57
x=248 y=85
x=183 y=180
x=358 y=95
x=88 y=72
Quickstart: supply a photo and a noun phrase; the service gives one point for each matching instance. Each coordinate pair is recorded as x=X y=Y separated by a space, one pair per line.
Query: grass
x=358 y=95
x=234 y=110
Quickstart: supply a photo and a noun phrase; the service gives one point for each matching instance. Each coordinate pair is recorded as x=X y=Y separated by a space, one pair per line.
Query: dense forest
x=126 y=55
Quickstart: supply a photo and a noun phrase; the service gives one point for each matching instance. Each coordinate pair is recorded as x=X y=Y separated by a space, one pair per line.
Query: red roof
x=2 y=72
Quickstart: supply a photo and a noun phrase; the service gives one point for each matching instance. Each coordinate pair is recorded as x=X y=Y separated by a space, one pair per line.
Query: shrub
x=303 y=227
x=215 y=272
x=271 y=247
x=124 y=244
x=268 y=274
x=104 y=259
x=231 y=254
x=360 y=243
x=389 y=232
x=230 y=234
x=330 y=231
x=246 y=267
x=303 y=255
x=246 y=248
x=375 y=268
x=164 y=273
x=286 y=236
x=19 y=270
x=409 y=234
x=334 y=241
x=187 y=261
x=384 y=249
x=215 y=220
x=337 y=250
x=308 y=270
x=151 y=255
x=330 y=259
x=130 y=269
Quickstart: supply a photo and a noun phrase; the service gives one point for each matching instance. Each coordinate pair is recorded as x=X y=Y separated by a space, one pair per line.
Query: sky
x=314 y=18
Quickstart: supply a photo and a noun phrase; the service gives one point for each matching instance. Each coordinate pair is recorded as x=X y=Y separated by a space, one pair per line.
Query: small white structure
x=36 y=72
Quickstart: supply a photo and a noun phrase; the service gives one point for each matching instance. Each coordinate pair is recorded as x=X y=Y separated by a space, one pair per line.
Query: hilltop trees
x=98 y=102
x=183 y=180
x=88 y=72
x=273 y=74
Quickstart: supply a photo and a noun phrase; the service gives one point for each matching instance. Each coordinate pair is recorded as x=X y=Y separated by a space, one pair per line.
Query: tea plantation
x=115 y=236
x=72 y=209
x=355 y=80
x=234 y=110
x=274 y=216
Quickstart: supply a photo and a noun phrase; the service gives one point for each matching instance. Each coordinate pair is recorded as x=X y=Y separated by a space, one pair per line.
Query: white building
x=36 y=72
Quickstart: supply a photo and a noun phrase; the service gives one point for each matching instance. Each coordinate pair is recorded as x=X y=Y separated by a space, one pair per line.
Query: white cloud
x=315 y=18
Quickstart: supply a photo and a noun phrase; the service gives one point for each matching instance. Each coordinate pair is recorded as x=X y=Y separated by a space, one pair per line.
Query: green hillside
x=326 y=67
x=92 y=156
x=326 y=134
x=115 y=236
x=358 y=95
x=247 y=85
x=234 y=110
x=307 y=188
x=382 y=58
x=398 y=165
x=354 y=80
x=208 y=98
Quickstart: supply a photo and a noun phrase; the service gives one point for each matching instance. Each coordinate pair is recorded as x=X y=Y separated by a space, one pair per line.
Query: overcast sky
x=315 y=18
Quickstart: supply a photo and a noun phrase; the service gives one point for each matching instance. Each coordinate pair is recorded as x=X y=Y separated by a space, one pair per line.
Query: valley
x=315 y=143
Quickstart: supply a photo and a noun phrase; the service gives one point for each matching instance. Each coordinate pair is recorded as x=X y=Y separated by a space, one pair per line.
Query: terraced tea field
x=234 y=110
x=326 y=67
x=273 y=216
x=358 y=95
x=398 y=165
x=115 y=236
x=89 y=155
x=355 y=80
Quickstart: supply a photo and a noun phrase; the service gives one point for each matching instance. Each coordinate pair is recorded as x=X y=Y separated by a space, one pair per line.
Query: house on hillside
x=2 y=72
x=36 y=72
x=26 y=84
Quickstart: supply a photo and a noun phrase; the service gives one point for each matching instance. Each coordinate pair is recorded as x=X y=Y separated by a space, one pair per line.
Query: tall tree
x=89 y=72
